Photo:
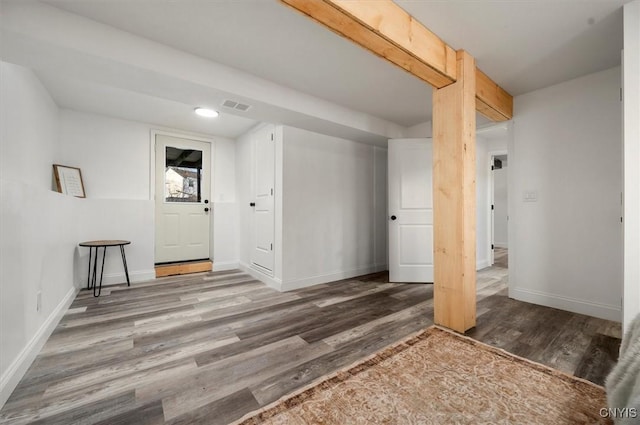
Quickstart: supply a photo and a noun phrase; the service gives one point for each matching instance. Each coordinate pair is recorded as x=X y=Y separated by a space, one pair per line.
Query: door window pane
x=183 y=175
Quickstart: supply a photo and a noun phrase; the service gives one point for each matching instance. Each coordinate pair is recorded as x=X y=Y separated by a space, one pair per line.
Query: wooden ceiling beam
x=492 y=101
x=387 y=30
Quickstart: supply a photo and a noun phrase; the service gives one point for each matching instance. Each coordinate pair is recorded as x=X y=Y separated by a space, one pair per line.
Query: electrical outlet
x=39 y=301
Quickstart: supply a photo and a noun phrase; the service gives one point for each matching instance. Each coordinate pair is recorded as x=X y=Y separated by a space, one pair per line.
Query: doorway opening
x=499 y=210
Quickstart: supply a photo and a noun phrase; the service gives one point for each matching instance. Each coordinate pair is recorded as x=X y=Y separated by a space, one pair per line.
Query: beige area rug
x=439 y=377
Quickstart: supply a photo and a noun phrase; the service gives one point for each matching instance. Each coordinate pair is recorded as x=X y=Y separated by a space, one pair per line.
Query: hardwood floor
x=209 y=348
x=500 y=257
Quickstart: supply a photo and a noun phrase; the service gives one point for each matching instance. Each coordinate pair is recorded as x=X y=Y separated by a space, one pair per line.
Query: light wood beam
x=454 y=199
x=492 y=101
x=385 y=29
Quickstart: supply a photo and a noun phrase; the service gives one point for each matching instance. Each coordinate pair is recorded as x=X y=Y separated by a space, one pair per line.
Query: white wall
x=421 y=130
x=631 y=161
x=566 y=248
x=225 y=207
x=115 y=156
x=500 y=197
x=245 y=193
x=38 y=243
x=331 y=207
x=332 y=194
x=381 y=207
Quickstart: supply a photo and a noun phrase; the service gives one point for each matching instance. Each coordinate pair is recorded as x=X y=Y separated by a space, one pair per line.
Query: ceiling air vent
x=230 y=104
x=236 y=105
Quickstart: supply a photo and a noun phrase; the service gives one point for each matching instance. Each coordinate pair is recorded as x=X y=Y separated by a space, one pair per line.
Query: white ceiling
x=522 y=44
x=130 y=105
x=272 y=41
x=526 y=45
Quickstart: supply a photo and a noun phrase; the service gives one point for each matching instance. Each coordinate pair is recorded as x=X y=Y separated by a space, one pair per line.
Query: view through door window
x=183 y=175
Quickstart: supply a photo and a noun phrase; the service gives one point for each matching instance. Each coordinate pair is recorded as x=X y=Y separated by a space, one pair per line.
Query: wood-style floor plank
x=211 y=347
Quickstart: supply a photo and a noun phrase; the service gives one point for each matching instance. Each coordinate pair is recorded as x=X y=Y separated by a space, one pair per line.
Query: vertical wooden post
x=454 y=198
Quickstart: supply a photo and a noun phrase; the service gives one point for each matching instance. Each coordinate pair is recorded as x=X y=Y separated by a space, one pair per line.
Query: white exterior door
x=410 y=210
x=263 y=211
x=182 y=190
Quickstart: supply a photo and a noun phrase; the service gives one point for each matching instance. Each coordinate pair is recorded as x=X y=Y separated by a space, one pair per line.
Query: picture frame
x=69 y=180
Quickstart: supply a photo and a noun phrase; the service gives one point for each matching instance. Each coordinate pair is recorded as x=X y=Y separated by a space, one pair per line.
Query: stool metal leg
x=124 y=262
x=89 y=269
x=104 y=254
x=92 y=283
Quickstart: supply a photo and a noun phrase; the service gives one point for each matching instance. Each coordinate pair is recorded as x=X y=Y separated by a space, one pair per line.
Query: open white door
x=183 y=182
x=410 y=210
x=264 y=219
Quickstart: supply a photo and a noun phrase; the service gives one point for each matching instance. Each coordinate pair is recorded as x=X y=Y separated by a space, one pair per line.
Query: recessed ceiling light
x=204 y=112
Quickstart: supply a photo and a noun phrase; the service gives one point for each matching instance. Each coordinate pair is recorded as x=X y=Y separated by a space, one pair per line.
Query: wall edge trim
x=16 y=370
x=289 y=285
x=589 y=308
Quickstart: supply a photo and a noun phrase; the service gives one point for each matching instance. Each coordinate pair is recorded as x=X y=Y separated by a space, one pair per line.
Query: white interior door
x=410 y=210
x=263 y=210
x=183 y=184
x=492 y=217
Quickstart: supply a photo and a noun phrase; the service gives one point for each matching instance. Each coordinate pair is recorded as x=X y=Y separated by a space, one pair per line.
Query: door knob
x=206 y=210
x=252 y=204
x=393 y=217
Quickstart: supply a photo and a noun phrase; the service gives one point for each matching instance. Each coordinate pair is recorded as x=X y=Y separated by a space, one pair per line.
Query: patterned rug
x=439 y=377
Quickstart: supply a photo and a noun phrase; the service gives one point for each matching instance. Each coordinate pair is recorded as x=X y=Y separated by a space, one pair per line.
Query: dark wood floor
x=209 y=348
x=500 y=257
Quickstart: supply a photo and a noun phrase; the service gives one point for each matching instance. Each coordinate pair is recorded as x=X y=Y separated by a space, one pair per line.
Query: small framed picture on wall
x=69 y=180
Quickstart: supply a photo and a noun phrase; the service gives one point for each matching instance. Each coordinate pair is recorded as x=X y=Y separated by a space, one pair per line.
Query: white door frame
x=490 y=216
x=152 y=172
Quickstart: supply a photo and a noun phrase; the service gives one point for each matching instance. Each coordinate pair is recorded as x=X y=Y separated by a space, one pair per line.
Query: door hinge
x=271 y=247
x=492 y=246
x=271 y=191
x=492 y=207
x=271 y=136
x=620 y=94
x=492 y=168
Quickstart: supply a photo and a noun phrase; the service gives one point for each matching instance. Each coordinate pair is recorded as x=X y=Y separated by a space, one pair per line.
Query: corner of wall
x=292 y=284
x=272 y=282
x=14 y=373
x=631 y=149
x=575 y=305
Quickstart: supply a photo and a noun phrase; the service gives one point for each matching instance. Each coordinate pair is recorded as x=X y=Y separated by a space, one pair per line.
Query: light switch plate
x=530 y=196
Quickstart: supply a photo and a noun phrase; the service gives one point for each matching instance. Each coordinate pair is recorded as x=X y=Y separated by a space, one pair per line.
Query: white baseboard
x=380 y=267
x=262 y=277
x=600 y=310
x=16 y=370
x=331 y=277
x=225 y=265
x=483 y=264
x=118 y=278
